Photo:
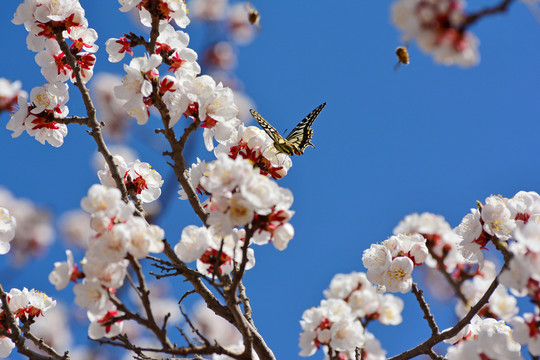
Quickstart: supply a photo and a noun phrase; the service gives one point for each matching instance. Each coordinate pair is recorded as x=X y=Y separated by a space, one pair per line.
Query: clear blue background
x=389 y=143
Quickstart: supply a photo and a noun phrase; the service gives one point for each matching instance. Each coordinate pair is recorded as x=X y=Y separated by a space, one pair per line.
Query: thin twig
x=144 y=296
x=240 y=273
x=472 y=18
x=40 y=343
x=193 y=328
x=18 y=338
x=425 y=308
x=73 y=120
x=245 y=302
x=426 y=346
x=92 y=119
x=447 y=276
x=433 y=355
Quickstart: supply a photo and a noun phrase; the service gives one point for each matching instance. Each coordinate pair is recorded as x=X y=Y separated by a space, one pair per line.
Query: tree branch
x=472 y=18
x=18 y=336
x=425 y=308
x=447 y=276
x=426 y=346
x=92 y=121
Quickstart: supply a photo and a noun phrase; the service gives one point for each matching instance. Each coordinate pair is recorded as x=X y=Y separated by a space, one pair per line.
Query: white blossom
x=61 y=275
x=8 y=225
x=193 y=243
x=91 y=295
x=526 y=331
x=331 y=323
x=435 y=25
x=213 y=104
x=497 y=218
x=137 y=86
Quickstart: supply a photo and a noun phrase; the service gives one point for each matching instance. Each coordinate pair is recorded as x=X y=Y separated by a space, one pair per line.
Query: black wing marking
x=269 y=129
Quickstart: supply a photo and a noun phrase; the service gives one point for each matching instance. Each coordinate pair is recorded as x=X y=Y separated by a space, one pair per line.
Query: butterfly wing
x=280 y=144
x=300 y=136
x=269 y=129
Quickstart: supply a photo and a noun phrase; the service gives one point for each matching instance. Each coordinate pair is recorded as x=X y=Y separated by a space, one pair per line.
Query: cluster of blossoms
x=255 y=145
x=514 y=223
x=119 y=237
x=440 y=239
x=238 y=24
x=139 y=177
x=182 y=91
x=437 y=27
x=336 y=323
x=34 y=231
x=484 y=339
x=391 y=262
x=47 y=20
x=167 y=10
x=25 y=306
x=241 y=197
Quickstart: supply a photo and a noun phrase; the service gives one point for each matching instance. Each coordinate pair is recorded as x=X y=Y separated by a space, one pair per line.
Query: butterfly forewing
x=301 y=135
x=280 y=143
x=269 y=129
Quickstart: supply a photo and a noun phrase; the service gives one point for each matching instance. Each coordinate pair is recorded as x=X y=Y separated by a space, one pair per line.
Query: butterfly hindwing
x=301 y=135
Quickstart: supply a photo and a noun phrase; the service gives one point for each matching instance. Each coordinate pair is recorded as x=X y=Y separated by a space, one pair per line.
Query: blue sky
x=389 y=143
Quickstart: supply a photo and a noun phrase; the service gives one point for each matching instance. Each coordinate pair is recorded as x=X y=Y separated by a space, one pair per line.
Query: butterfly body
x=298 y=139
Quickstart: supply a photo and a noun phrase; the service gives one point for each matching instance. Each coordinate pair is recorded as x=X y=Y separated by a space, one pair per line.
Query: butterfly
x=297 y=140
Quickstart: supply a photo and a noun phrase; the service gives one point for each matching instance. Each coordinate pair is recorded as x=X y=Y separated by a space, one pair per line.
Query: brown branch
x=502 y=246
x=92 y=121
x=144 y=294
x=240 y=322
x=426 y=346
x=425 y=308
x=245 y=323
x=177 y=146
x=73 y=120
x=194 y=329
x=194 y=277
x=472 y=18
x=40 y=343
x=128 y=314
x=245 y=302
x=179 y=166
x=154 y=33
x=230 y=313
x=19 y=337
x=123 y=342
x=238 y=275
x=447 y=276
x=433 y=355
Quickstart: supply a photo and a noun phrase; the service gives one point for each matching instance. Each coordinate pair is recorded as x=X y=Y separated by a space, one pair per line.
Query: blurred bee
x=254 y=16
x=403 y=56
